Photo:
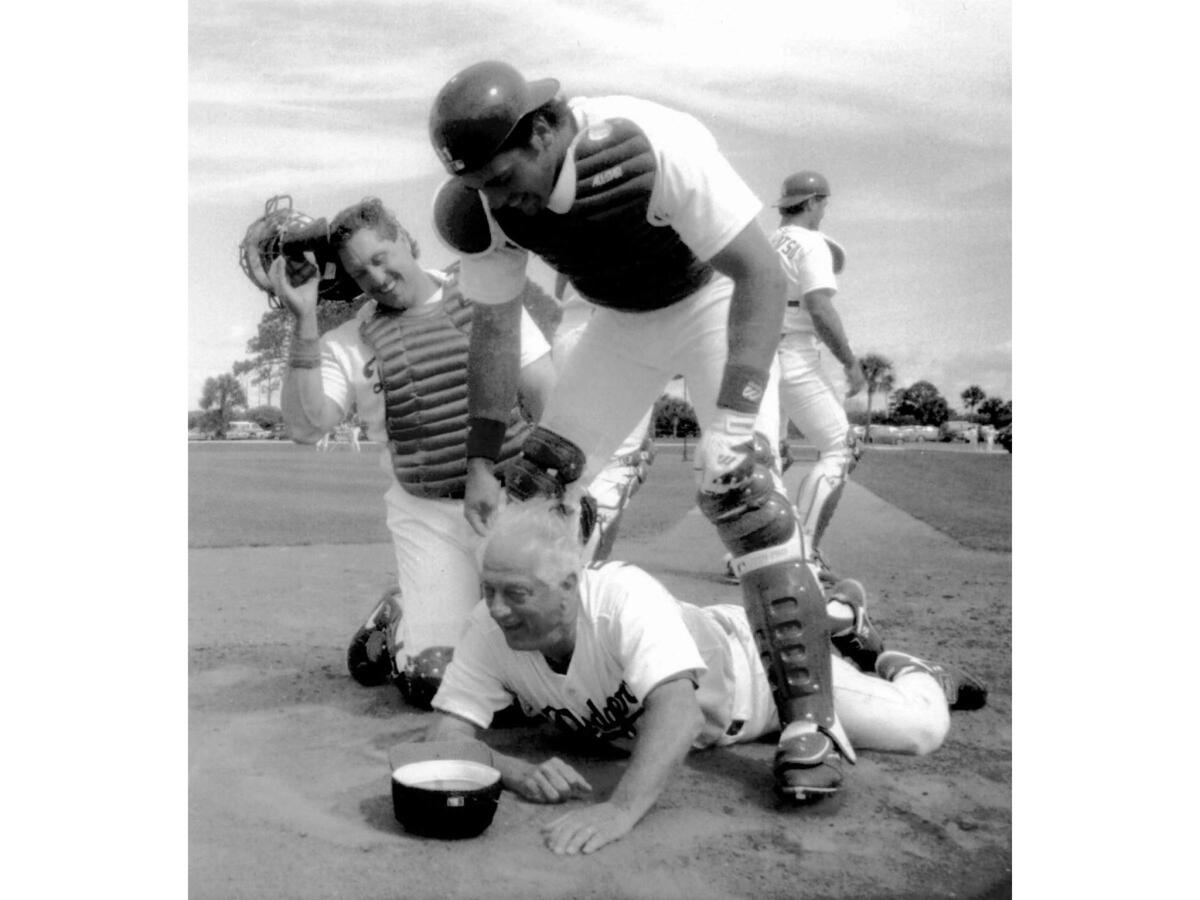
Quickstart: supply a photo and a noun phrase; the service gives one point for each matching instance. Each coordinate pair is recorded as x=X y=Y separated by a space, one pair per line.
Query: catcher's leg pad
x=821 y=489
x=422 y=676
x=547 y=464
x=786 y=609
x=372 y=652
x=782 y=595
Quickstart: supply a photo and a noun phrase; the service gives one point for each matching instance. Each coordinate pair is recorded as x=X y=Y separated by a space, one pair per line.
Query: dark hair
x=553 y=112
x=801 y=206
x=368 y=213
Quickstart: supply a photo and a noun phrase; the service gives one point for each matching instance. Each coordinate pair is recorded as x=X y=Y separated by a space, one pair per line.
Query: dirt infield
x=288 y=772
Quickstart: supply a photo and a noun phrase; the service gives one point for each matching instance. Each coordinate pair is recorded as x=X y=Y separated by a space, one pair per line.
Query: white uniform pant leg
x=700 y=349
x=909 y=715
x=437 y=566
x=811 y=400
x=808 y=395
x=608 y=381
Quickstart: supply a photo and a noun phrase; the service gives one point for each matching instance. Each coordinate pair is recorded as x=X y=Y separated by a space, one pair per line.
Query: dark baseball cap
x=476 y=110
x=800 y=186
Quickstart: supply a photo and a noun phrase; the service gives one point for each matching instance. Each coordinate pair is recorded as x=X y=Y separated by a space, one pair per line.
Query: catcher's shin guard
x=821 y=489
x=547 y=464
x=783 y=598
x=422 y=676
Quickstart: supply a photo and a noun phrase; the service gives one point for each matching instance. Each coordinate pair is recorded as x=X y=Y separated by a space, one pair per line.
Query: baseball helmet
x=284 y=231
x=478 y=109
x=799 y=187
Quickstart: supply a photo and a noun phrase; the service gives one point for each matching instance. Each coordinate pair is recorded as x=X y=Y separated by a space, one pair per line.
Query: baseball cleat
x=370 y=657
x=962 y=690
x=422 y=676
x=807 y=767
x=862 y=642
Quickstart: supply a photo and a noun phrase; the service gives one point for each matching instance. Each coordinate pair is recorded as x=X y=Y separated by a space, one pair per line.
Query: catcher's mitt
x=284 y=231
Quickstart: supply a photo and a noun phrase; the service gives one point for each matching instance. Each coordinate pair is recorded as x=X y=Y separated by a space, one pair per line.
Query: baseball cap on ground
x=799 y=187
x=477 y=109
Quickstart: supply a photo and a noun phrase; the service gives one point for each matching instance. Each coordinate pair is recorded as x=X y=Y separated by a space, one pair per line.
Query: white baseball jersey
x=631 y=636
x=810 y=261
x=696 y=192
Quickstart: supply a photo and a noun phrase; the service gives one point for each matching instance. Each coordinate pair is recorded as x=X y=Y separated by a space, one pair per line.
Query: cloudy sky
x=904 y=106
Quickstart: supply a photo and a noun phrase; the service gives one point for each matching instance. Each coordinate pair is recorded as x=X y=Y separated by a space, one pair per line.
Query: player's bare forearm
x=307 y=411
x=536 y=381
x=828 y=324
x=446 y=727
x=756 y=310
x=666 y=729
x=669 y=724
x=493 y=360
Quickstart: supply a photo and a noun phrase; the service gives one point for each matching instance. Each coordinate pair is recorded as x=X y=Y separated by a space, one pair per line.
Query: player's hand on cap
x=482 y=495
x=855 y=379
x=552 y=781
x=295 y=284
x=724 y=458
x=588 y=829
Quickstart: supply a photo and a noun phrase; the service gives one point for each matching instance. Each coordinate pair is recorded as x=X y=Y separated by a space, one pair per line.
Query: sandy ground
x=288 y=771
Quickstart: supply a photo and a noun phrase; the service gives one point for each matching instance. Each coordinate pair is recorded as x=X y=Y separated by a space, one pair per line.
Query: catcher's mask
x=283 y=231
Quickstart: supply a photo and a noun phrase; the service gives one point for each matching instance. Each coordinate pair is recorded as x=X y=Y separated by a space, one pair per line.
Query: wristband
x=305 y=353
x=485 y=437
x=742 y=388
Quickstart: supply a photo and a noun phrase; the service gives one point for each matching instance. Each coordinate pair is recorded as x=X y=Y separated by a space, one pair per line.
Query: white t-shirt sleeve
x=647 y=630
x=697 y=191
x=337 y=363
x=807 y=263
x=473 y=686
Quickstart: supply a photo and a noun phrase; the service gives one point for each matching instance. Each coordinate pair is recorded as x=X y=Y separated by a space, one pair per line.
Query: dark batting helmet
x=799 y=187
x=477 y=109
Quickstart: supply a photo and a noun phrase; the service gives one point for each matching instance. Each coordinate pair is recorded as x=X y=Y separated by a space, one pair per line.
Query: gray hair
x=546 y=527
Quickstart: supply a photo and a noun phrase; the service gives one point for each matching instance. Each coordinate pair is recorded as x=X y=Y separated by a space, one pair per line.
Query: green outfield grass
x=278 y=493
x=966 y=495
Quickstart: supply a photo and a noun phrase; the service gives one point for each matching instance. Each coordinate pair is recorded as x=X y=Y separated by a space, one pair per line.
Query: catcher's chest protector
x=421 y=362
x=604 y=244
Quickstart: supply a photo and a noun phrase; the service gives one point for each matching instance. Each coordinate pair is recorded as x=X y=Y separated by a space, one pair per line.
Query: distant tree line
x=920 y=403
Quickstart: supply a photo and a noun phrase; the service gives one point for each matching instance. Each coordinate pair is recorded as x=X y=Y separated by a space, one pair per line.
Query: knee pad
x=547 y=464
x=422 y=676
x=751 y=517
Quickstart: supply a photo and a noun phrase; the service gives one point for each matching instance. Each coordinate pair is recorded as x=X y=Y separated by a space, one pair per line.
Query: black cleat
x=370 y=657
x=963 y=690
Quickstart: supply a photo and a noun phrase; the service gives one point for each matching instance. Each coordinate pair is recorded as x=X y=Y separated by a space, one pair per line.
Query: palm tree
x=972 y=397
x=877 y=370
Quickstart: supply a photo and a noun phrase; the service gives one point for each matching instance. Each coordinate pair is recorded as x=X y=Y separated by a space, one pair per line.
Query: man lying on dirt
x=604 y=651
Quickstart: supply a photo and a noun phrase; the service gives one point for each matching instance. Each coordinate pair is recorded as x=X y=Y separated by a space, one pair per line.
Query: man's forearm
x=828 y=325
x=666 y=730
x=492 y=374
x=302 y=399
x=755 y=320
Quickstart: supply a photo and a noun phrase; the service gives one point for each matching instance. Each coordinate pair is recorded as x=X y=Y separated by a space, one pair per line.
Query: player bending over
x=604 y=651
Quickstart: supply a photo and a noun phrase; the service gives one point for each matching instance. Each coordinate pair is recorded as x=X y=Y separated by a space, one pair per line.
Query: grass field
x=965 y=495
x=287 y=494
